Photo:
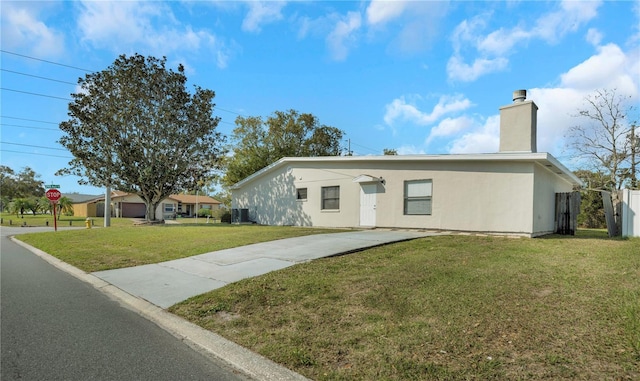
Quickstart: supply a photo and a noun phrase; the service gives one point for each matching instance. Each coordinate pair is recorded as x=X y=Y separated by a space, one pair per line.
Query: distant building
x=130 y=205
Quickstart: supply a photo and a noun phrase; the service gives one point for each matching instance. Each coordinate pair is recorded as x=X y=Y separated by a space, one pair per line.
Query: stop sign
x=53 y=195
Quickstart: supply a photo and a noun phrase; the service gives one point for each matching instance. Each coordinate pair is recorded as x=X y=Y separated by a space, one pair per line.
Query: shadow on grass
x=585 y=234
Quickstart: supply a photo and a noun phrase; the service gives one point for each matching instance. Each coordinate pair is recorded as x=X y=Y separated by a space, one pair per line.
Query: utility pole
x=635 y=142
x=107 y=207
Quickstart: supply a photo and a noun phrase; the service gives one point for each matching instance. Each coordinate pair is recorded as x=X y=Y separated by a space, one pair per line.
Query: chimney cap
x=519 y=96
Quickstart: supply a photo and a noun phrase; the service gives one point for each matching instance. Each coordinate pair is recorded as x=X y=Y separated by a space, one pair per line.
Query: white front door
x=368 y=204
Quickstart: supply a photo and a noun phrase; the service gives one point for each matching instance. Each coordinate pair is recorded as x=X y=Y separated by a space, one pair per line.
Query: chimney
x=518 y=124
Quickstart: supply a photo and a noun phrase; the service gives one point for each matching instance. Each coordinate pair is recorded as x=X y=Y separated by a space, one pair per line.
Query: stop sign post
x=54 y=195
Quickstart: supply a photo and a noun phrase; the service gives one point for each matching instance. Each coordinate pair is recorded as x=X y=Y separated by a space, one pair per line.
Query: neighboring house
x=187 y=205
x=511 y=192
x=130 y=205
x=81 y=203
x=123 y=204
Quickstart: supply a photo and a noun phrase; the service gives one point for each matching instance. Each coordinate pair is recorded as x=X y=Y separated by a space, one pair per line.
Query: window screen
x=330 y=198
x=417 y=196
x=301 y=193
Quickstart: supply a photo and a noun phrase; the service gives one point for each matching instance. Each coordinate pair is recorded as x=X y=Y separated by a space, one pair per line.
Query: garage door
x=133 y=210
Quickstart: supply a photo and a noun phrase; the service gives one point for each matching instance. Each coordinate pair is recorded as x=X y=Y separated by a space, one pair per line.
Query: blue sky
x=421 y=77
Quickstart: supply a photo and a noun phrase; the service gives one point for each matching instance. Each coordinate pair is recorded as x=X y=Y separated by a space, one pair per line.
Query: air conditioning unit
x=239 y=216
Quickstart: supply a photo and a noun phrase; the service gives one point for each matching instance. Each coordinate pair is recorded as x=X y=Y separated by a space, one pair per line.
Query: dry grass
x=444 y=308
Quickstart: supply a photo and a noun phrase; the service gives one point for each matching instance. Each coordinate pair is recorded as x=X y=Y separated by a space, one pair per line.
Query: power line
x=52 y=129
x=229 y=111
x=34 y=153
x=35 y=128
x=370 y=149
x=34 y=146
x=49 y=62
x=39 y=77
x=36 y=94
x=28 y=120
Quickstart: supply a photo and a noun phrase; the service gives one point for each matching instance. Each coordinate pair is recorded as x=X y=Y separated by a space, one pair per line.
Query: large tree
x=25 y=183
x=605 y=137
x=135 y=127
x=256 y=143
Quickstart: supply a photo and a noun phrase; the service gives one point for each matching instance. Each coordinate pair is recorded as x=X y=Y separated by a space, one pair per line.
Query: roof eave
x=502 y=156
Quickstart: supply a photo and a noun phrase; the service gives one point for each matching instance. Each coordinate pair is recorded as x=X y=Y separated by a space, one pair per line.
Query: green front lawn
x=444 y=308
x=127 y=245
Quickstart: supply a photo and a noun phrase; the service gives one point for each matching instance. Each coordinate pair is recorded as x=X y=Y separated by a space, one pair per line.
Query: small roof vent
x=519 y=96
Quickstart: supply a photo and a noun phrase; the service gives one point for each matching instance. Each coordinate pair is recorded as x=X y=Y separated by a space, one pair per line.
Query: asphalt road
x=55 y=327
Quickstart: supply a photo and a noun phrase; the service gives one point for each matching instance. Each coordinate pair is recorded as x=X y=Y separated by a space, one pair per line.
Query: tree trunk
x=151 y=210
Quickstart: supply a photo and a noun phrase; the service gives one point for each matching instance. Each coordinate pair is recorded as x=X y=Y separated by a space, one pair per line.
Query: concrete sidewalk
x=165 y=284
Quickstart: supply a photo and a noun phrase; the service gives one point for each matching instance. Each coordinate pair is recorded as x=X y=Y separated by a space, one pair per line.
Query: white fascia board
x=543 y=158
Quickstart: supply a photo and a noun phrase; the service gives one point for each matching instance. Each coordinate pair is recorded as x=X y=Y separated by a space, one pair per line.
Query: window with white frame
x=169 y=208
x=301 y=194
x=417 y=197
x=330 y=198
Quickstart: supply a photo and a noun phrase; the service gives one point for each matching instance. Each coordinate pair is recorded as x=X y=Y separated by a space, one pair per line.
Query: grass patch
x=126 y=246
x=444 y=308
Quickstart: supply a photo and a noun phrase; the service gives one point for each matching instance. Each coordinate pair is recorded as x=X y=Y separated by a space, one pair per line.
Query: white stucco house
x=510 y=192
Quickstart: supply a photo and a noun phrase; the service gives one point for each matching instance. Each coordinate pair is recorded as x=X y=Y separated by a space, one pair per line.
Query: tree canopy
x=25 y=183
x=256 y=143
x=135 y=127
x=607 y=137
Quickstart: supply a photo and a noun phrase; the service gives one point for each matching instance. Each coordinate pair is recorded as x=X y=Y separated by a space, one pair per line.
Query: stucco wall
x=546 y=187
x=82 y=210
x=467 y=196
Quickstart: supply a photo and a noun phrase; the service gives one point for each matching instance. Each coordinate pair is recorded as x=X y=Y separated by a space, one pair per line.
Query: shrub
x=225 y=216
x=204 y=212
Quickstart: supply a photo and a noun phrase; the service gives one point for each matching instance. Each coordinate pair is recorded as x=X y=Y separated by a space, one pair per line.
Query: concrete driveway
x=167 y=283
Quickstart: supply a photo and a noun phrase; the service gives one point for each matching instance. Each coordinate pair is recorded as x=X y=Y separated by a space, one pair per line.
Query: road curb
x=206 y=342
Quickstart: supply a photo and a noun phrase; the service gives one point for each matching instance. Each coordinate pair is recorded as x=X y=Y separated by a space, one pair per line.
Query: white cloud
x=457 y=69
x=571 y=15
x=21 y=29
x=502 y=41
x=416 y=25
x=484 y=140
x=342 y=36
x=382 y=11
x=594 y=37
x=557 y=106
x=123 y=26
x=400 y=109
x=610 y=68
x=410 y=150
x=467 y=32
x=494 y=48
x=449 y=126
x=262 y=12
